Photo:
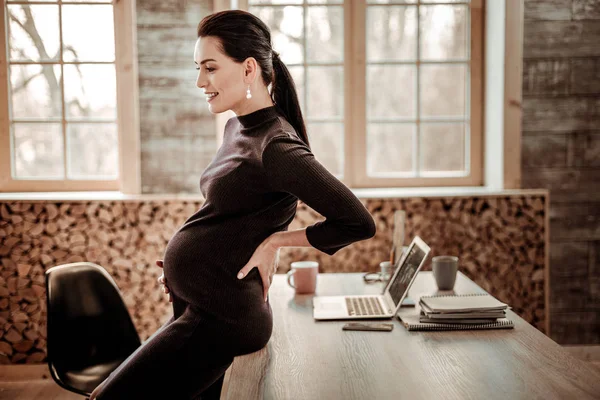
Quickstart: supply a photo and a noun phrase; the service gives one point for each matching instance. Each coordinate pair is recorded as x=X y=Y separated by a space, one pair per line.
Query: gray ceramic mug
x=444 y=271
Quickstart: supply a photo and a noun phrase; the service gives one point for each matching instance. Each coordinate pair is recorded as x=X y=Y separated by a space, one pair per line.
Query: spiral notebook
x=468 y=307
x=462 y=303
x=411 y=322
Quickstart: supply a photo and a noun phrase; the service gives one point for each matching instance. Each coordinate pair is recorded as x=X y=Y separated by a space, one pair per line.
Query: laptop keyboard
x=363 y=306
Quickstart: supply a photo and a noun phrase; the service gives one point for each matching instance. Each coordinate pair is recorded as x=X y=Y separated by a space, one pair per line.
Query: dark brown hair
x=241 y=35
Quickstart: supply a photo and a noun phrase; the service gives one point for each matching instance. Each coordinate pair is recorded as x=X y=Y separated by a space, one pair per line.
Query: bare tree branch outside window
x=50 y=97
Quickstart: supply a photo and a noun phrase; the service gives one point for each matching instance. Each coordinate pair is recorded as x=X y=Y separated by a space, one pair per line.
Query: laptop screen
x=408 y=268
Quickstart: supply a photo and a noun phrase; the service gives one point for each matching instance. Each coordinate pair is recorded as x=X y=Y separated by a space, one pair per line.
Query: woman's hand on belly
x=162 y=280
x=265 y=258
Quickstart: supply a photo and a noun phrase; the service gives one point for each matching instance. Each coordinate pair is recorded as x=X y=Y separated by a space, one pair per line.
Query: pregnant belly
x=206 y=278
x=198 y=258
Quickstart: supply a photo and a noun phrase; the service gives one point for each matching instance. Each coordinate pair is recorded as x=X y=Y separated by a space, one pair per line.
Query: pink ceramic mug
x=304 y=276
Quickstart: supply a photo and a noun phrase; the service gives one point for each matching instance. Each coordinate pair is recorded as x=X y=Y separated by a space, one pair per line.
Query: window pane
x=390 y=91
x=92 y=150
x=325 y=92
x=390 y=148
x=325 y=34
x=274 y=2
x=91 y=1
x=88 y=33
x=38 y=151
x=34 y=33
x=55 y=1
x=287 y=27
x=35 y=91
x=443 y=32
x=391 y=33
x=327 y=144
x=442 y=90
x=90 y=91
x=298 y=77
x=325 y=1
x=390 y=1
x=442 y=147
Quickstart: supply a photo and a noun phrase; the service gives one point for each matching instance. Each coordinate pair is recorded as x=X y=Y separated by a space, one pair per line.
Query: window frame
x=355 y=119
x=128 y=176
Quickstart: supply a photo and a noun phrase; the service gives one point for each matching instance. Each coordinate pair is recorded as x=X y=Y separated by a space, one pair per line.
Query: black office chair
x=90 y=332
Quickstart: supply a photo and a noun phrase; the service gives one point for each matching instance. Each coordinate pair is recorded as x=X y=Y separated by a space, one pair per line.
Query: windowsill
x=453 y=191
x=362 y=193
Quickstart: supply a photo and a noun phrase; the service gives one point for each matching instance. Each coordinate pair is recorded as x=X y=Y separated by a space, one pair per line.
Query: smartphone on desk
x=361 y=326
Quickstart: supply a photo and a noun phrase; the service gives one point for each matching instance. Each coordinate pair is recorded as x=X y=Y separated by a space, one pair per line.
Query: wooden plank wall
x=177 y=131
x=561 y=152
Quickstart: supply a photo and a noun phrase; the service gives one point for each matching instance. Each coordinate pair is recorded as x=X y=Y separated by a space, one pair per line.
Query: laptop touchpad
x=330 y=305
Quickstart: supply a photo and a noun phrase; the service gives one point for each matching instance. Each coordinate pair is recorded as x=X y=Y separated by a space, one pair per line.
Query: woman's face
x=221 y=78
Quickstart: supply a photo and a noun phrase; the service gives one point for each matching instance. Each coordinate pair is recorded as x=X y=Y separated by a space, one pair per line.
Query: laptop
x=385 y=305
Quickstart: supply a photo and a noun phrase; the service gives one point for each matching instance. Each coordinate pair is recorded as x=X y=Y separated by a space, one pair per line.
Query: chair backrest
x=88 y=322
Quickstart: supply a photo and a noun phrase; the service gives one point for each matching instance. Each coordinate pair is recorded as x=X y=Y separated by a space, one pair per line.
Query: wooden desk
x=308 y=359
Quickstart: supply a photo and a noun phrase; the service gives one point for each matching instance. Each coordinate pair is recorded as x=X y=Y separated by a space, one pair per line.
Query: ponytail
x=286 y=98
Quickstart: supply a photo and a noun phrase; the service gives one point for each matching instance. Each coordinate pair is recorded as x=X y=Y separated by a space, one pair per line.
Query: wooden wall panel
x=586 y=9
x=177 y=130
x=161 y=120
x=576 y=327
x=555 y=10
x=544 y=150
x=560 y=114
x=575 y=221
x=174 y=42
x=594 y=269
x=562 y=38
x=585 y=75
x=570 y=260
x=566 y=183
x=172 y=12
x=561 y=146
x=546 y=76
x=167 y=82
x=584 y=149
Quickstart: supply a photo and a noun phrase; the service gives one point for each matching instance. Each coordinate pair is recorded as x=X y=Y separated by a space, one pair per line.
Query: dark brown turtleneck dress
x=251 y=188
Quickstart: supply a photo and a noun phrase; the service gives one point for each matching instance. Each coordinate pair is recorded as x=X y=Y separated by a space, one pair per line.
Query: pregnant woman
x=219 y=265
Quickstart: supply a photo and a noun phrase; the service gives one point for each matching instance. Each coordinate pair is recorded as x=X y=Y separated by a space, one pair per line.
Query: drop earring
x=248 y=94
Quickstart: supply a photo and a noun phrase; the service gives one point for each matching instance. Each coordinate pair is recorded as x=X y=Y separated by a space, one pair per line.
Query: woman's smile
x=210 y=96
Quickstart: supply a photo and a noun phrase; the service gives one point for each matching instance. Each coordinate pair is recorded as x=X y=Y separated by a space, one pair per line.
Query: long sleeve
x=291 y=167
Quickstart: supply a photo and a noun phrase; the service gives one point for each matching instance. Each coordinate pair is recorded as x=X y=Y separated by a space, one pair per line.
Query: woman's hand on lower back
x=163 y=281
x=265 y=258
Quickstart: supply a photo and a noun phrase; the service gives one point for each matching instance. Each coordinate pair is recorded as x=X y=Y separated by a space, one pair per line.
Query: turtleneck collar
x=257 y=117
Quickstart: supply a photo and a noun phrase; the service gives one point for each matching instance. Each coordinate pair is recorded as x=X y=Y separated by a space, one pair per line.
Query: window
x=310 y=39
x=391 y=90
x=58 y=105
